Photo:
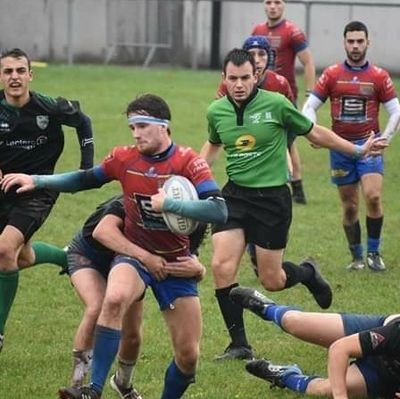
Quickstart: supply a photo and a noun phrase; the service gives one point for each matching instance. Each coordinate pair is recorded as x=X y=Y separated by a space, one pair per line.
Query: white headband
x=132 y=120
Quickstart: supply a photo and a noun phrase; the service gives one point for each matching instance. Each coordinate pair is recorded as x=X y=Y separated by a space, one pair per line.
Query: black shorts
x=265 y=214
x=26 y=212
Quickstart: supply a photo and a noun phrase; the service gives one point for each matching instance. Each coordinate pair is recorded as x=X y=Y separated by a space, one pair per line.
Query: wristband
x=358 y=151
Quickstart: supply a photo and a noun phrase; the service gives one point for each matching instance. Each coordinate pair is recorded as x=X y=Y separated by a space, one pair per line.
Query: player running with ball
x=141 y=170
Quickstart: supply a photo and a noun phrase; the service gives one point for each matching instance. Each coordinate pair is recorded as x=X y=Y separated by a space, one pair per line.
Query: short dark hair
x=238 y=57
x=149 y=104
x=15 y=53
x=355 y=26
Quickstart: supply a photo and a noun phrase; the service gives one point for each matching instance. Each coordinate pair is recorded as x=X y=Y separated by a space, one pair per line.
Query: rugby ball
x=180 y=188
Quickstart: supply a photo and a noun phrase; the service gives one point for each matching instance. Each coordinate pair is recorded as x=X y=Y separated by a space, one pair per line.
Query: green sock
x=47 y=253
x=8 y=289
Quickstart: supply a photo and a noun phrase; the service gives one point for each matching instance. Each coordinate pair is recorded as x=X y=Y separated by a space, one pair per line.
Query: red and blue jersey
x=355 y=94
x=286 y=41
x=140 y=178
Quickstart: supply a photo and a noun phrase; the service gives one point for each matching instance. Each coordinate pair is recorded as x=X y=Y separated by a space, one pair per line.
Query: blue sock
x=373 y=244
x=275 y=313
x=297 y=382
x=357 y=251
x=105 y=349
x=175 y=382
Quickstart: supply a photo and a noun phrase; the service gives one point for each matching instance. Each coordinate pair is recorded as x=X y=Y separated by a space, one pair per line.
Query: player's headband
x=133 y=120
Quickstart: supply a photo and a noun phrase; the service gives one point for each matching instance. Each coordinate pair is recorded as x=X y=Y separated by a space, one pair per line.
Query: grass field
x=36 y=360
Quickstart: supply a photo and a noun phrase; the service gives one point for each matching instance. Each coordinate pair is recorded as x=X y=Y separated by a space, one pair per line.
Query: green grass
x=37 y=361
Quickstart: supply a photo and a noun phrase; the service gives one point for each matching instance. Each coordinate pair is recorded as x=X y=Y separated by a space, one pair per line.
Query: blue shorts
x=81 y=255
x=347 y=170
x=354 y=324
x=165 y=291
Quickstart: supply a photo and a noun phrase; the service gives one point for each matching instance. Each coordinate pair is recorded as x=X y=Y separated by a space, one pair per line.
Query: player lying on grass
x=373 y=340
x=142 y=169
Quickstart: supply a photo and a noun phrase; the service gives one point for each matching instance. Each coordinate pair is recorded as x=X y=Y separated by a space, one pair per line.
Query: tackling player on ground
x=373 y=340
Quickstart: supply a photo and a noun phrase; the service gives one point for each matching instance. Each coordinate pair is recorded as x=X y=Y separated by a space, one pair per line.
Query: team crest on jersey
x=376 y=339
x=255 y=118
x=366 y=89
x=42 y=121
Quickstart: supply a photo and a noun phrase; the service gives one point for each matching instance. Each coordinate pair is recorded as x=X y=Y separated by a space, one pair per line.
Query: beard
x=357 y=58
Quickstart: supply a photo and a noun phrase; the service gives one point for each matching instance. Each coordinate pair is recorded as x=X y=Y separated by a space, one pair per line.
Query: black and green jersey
x=32 y=139
x=254 y=136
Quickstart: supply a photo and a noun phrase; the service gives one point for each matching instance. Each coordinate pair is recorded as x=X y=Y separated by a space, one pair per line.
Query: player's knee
x=223 y=270
x=319 y=387
x=292 y=322
x=272 y=282
x=114 y=305
x=93 y=310
x=187 y=357
x=8 y=257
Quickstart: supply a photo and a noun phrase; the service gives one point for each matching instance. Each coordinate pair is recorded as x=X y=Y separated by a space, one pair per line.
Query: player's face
x=150 y=138
x=15 y=76
x=261 y=59
x=356 y=46
x=240 y=81
x=274 y=9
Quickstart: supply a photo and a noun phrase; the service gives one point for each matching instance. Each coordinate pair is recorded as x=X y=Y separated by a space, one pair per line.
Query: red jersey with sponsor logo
x=286 y=41
x=355 y=94
x=140 y=178
x=272 y=82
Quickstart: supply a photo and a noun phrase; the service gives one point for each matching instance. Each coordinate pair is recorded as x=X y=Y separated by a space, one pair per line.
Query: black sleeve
x=381 y=340
x=71 y=115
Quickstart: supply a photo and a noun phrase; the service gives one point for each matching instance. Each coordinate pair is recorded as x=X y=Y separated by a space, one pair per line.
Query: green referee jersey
x=254 y=136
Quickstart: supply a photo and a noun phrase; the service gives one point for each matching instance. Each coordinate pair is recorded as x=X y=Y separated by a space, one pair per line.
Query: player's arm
x=392 y=107
x=210 y=152
x=86 y=141
x=339 y=355
x=321 y=136
x=311 y=107
x=211 y=209
x=306 y=59
x=69 y=182
x=70 y=114
x=109 y=233
x=186 y=267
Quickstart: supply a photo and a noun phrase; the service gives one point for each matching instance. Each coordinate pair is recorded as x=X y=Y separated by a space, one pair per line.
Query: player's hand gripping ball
x=180 y=188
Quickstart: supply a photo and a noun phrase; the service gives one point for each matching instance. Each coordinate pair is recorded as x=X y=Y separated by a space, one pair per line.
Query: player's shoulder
x=378 y=71
x=260 y=29
x=55 y=105
x=122 y=152
x=217 y=104
x=292 y=27
x=276 y=77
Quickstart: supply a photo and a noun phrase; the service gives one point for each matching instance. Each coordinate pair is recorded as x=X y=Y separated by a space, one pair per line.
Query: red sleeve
x=197 y=169
x=113 y=163
x=387 y=90
x=286 y=90
x=221 y=91
x=323 y=85
x=298 y=39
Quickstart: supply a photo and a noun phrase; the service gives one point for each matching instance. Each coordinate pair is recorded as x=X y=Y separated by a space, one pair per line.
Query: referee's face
x=240 y=81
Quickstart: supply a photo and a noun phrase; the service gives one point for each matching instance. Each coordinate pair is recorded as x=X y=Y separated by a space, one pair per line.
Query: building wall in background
x=120 y=30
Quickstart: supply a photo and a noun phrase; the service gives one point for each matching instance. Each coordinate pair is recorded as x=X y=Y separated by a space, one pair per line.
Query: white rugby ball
x=180 y=188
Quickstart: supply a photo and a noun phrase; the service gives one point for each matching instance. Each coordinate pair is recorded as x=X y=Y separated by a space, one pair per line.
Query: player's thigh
x=11 y=243
x=269 y=263
x=317 y=328
x=90 y=286
x=124 y=284
x=228 y=248
x=184 y=323
x=371 y=185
